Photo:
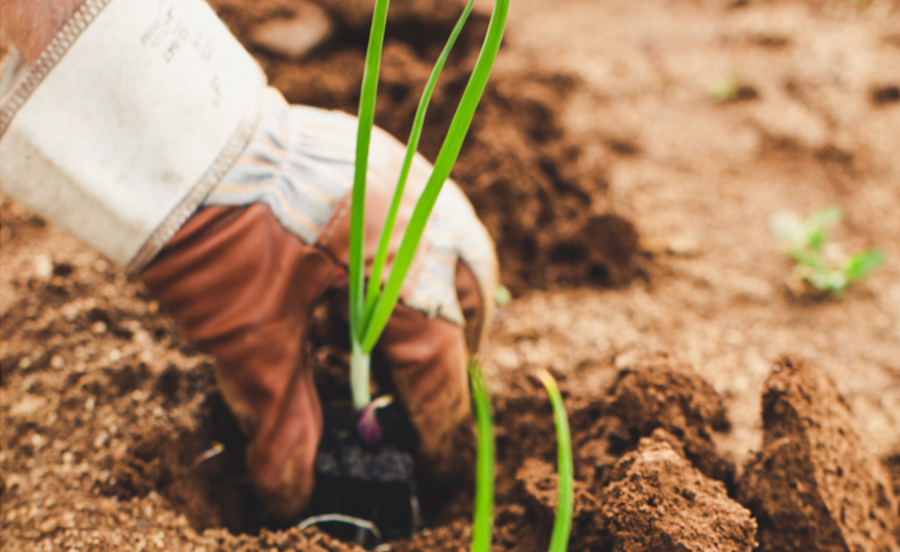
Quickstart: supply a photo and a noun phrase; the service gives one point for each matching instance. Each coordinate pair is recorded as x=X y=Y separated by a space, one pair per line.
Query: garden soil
x=630 y=206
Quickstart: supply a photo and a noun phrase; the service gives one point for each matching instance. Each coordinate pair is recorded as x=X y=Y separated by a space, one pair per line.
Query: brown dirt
x=564 y=229
x=658 y=502
x=659 y=393
x=597 y=128
x=814 y=485
x=891 y=461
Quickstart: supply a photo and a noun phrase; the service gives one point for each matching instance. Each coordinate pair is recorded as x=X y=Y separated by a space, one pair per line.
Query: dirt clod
x=814 y=485
x=540 y=485
x=658 y=502
x=659 y=392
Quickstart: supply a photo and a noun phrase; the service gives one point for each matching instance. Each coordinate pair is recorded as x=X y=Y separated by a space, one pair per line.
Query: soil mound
x=815 y=486
x=541 y=197
x=658 y=502
x=658 y=393
x=656 y=397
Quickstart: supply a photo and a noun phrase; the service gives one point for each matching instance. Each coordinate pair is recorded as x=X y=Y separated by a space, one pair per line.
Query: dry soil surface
x=631 y=213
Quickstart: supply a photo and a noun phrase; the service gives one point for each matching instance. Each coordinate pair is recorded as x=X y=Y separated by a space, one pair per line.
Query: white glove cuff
x=121 y=127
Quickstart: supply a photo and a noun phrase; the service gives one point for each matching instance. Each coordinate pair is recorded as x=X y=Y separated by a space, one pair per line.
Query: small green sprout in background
x=725 y=88
x=483 y=518
x=559 y=541
x=820 y=263
x=731 y=88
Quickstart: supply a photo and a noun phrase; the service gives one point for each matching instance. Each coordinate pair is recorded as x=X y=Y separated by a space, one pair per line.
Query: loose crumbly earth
x=814 y=485
x=599 y=159
x=657 y=502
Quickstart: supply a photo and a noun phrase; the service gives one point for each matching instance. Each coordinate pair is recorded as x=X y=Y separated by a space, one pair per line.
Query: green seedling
x=483 y=519
x=502 y=296
x=559 y=541
x=725 y=88
x=370 y=309
x=731 y=88
x=821 y=264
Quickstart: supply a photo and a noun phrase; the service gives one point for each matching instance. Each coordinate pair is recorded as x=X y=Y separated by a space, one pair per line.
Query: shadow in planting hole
x=212 y=493
x=217 y=491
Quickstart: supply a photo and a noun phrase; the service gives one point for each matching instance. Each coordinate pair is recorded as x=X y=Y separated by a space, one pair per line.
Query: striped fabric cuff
x=300 y=163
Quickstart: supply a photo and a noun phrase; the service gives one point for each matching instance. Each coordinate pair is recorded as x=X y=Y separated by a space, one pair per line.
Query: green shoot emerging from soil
x=483 y=519
x=821 y=264
x=370 y=309
x=559 y=541
x=725 y=88
x=502 y=296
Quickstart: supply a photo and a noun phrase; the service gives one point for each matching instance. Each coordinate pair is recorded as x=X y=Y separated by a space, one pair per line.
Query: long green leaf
x=864 y=263
x=359 y=366
x=559 y=541
x=483 y=519
x=817 y=225
x=412 y=147
x=442 y=167
x=368 y=96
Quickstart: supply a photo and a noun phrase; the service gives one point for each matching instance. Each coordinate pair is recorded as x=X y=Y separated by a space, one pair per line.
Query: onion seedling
x=483 y=519
x=821 y=263
x=559 y=541
x=370 y=309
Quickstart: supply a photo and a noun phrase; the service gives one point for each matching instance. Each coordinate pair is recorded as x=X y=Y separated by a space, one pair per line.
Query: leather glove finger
x=242 y=287
x=429 y=359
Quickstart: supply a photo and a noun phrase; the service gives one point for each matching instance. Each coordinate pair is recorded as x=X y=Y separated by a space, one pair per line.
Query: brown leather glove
x=242 y=286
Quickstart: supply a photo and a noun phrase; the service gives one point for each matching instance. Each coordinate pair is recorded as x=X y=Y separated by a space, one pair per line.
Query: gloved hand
x=243 y=274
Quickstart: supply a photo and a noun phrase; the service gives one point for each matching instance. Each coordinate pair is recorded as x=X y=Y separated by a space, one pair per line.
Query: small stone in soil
x=296 y=37
x=49 y=526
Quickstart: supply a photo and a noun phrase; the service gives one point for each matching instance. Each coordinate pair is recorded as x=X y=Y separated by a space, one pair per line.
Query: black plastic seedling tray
x=375 y=484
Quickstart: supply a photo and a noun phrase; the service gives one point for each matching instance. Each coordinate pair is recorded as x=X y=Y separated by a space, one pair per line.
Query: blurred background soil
x=631 y=210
